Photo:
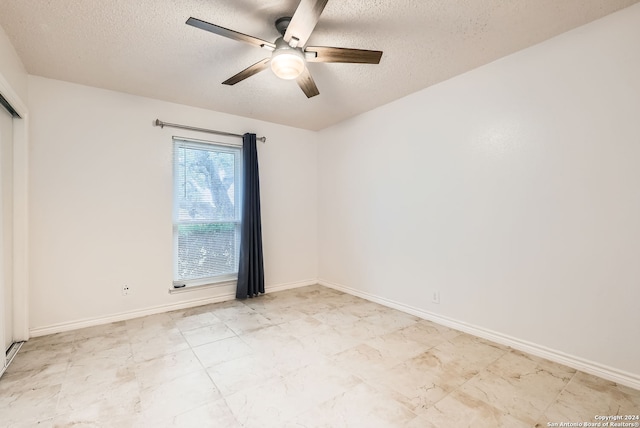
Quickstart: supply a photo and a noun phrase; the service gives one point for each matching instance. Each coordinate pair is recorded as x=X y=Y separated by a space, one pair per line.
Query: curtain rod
x=162 y=124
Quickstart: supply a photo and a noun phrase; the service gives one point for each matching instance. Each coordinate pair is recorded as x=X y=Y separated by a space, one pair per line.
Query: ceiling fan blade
x=329 y=54
x=234 y=35
x=306 y=83
x=304 y=21
x=248 y=72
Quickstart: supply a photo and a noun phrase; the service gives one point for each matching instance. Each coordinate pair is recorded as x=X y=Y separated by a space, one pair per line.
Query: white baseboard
x=290 y=285
x=621 y=377
x=122 y=316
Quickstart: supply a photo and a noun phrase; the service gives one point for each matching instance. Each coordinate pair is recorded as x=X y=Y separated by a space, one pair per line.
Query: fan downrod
x=282 y=24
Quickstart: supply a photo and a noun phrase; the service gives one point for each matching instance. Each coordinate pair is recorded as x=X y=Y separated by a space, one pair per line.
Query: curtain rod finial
x=158 y=123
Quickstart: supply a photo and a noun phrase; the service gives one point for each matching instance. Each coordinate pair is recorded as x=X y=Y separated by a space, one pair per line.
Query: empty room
x=312 y=213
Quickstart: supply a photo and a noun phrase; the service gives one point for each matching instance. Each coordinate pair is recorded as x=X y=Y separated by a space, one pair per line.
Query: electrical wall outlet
x=125 y=290
x=435 y=297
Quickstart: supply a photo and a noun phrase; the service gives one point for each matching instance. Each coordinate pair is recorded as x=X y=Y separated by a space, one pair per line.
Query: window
x=206 y=212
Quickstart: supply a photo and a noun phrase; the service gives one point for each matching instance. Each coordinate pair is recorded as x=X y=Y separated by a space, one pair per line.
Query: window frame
x=214 y=146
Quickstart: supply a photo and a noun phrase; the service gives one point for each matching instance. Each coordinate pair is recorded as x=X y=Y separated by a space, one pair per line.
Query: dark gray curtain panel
x=251 y=266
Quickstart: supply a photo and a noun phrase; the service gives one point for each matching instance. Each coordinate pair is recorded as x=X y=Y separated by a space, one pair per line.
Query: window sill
x=198 y=287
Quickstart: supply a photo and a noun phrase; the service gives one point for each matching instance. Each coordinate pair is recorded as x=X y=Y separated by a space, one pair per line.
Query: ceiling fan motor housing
x=287 y=62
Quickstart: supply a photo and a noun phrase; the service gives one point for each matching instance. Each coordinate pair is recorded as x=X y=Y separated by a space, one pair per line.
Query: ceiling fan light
x=287 y=63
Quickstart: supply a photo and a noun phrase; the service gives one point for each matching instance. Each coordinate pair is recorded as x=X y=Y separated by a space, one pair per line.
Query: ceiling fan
x=289 y=53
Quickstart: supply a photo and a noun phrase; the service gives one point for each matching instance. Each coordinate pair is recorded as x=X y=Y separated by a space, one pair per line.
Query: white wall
x=512 y=189
x=101 y=198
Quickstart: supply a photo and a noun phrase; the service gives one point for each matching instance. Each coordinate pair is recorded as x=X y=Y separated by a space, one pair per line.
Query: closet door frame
x=6 y=225
x=20 y=213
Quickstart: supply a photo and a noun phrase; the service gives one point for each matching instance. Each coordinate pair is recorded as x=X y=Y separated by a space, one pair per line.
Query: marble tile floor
x=308 y=357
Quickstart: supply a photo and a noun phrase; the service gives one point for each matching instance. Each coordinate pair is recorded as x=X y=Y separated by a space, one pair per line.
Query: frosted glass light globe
x=287 y=63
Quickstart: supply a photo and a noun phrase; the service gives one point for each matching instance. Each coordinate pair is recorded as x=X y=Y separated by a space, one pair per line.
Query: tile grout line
x=555 y=399
x=222 y=396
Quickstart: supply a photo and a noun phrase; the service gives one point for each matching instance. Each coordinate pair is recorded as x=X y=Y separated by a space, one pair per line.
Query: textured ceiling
x=143 y=47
